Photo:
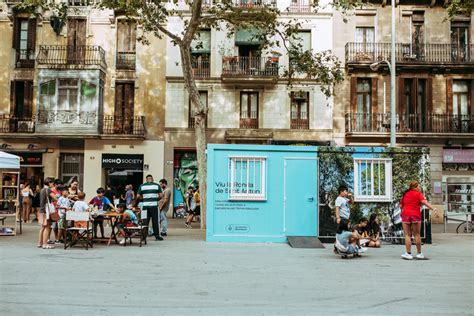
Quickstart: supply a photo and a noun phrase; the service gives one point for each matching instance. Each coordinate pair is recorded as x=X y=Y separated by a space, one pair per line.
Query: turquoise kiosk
x=261 y=193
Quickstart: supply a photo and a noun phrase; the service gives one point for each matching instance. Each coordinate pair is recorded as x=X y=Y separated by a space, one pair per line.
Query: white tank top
x=25 y=193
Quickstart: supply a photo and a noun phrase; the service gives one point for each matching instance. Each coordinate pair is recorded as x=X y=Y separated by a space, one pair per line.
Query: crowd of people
x=50 y=204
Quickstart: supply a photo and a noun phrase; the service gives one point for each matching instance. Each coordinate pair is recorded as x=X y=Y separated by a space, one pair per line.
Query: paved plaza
x=184 y=275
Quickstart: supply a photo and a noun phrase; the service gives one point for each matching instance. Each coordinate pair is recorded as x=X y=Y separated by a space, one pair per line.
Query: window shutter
x=16 y=33
x=401 y=95
x=374 y=101
x=12 y=97
x=429 y=95
x=353 y=108
x=31 y=34
x=28 y=99
x=449 y=95
x=129 y=100
x=118 y=99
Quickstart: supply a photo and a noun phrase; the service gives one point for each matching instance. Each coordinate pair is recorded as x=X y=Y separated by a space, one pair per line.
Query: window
x=461 y=97
x=71 y=95
x=24 y=40
x=299 y=110
x=203 y=95
x=247 y=178
x=373 y=179
x=124 y=107
x=126 y=44
x=365 y=38
x=364 y=104
x=249 y=109
x=200 y=54
x=302 y=43
x=460 y=42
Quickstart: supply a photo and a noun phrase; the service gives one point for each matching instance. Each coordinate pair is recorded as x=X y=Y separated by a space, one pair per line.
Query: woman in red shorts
x=411 y=204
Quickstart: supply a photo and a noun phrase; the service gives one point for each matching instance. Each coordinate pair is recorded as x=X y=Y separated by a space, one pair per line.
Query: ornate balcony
x=127 y=126
x=410 y=56
x=125 y=60
x=12 y=124
x=238 y=68
x=25 y=58
x=202 y=68
x=247 y=121
x=253 y=4
x=367 y=123
x=71 y=57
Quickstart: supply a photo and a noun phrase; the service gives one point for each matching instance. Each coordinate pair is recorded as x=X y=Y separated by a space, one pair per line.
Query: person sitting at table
x=127 y=219
x=80 y=206
x=99 y=202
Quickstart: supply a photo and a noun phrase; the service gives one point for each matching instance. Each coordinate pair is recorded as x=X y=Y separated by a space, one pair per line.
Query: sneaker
x=187 y=225
x=57 y=242
x=122 y=242
x=362 y=249
x=159 y=238
x=420 y=256
x=164 y=234
x=407 y=256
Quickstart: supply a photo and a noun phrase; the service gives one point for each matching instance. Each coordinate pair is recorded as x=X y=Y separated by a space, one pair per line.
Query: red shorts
x=411 y=218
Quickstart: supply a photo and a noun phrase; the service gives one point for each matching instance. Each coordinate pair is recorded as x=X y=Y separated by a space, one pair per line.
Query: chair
x=140 y=231
x=80 y=235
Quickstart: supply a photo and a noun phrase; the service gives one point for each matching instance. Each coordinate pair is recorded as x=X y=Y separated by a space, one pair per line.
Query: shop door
x=301 y=197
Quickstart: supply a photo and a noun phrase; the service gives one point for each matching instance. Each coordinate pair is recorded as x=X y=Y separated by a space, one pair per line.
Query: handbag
x=51 y=212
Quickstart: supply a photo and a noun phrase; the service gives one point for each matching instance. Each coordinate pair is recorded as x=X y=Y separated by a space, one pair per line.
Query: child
x=128 y=219
x=342 y=205
x=347 y=239
x=64 y=205
x=101 y=202
x=361 y=229
x=80 y=206
x=373 y=229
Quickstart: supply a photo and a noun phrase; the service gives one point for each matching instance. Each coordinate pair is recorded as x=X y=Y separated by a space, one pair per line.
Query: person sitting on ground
x=80 y=206
x=128 y=219
x=64 y=205
x=348 y=239
x=373 y=230
x=361 y=229
x=100 y=202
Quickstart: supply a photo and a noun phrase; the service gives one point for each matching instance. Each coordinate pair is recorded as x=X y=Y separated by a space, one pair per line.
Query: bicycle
x=465 y=227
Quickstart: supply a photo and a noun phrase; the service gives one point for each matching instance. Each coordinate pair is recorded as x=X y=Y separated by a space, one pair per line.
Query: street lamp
x=392 y=68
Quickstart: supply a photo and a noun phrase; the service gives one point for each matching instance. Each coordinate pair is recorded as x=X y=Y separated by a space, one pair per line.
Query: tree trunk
x=199 y=126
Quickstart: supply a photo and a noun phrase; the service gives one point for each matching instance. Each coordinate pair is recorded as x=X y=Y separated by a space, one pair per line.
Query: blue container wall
x=250 y=221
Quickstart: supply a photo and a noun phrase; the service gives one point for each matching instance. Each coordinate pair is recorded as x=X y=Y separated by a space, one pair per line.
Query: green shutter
x=247 y=37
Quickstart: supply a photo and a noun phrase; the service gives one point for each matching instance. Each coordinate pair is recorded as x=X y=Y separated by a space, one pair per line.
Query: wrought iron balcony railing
x=250 y=66
x=201 y=68
x=25 y=58
x=409 y=123
x=65 y=56
x=300 y=7
x=125 y=60
x=247 y=121
x=67 y=117
x=119 y=125
x=250 y=4
x=410 y=53
x=12 y=124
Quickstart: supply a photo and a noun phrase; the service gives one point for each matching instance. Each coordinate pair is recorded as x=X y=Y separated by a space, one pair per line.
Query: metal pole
x=393 y=117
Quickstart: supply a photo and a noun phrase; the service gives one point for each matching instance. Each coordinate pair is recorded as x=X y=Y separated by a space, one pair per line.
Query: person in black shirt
x=110 y=194
x=373 y=230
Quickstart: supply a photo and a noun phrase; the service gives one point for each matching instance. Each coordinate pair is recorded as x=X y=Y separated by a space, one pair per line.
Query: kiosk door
x=301 y=197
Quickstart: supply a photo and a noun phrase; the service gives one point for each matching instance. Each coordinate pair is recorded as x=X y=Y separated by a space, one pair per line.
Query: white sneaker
x=362 y=249
x=122 y=242
x=420 y=256
x=407 y=256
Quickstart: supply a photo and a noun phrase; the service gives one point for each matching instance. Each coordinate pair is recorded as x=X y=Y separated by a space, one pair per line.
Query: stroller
x=180 y=211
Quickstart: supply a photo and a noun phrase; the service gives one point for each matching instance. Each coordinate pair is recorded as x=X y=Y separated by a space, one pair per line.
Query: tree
x=460 y=7
x=263 y=16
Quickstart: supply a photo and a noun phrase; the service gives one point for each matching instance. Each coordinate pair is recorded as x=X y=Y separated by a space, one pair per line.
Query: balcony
x=201 y=68
x=67 y=122
x=409 y=55
x=249 y=120
x=253 y=4
x=125 y=60
x=238 y=68
x=127 y=126
x=71 y=57
x=300 y=7
x=12 y=124
x=25 y=58
x=366 y=123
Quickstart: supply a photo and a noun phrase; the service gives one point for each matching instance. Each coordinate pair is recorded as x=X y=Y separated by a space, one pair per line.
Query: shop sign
x=35 y=159
x=122 y=161
x=458 y=155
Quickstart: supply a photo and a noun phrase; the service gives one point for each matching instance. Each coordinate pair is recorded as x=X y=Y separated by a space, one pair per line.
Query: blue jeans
x=164 y=221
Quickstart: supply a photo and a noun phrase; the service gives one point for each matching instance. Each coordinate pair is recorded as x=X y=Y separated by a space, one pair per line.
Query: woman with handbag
x=47 y=197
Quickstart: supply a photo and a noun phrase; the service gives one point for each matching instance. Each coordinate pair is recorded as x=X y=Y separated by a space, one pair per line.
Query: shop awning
x=9 y=161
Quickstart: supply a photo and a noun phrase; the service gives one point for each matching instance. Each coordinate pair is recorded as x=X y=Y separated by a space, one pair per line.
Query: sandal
x=48 y=247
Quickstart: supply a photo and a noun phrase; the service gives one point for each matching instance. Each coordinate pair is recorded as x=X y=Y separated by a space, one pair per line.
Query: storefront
x=121 y=170
x=31 y=167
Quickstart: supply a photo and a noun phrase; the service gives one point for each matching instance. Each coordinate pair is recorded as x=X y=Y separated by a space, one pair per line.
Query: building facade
x=434 y=83
x=81 y=97
x=242 y=86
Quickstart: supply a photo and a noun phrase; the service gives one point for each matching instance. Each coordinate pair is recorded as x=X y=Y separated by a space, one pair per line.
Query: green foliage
x=460 y=7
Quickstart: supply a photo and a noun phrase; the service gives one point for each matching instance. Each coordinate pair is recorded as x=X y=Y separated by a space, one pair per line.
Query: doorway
x=76 y=41
x=301 y=196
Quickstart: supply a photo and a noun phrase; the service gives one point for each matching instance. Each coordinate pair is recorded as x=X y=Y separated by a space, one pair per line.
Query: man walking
x=150 y=193
x=164 y=206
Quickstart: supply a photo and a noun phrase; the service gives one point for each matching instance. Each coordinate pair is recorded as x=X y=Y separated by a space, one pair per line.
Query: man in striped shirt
x=150 y=193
